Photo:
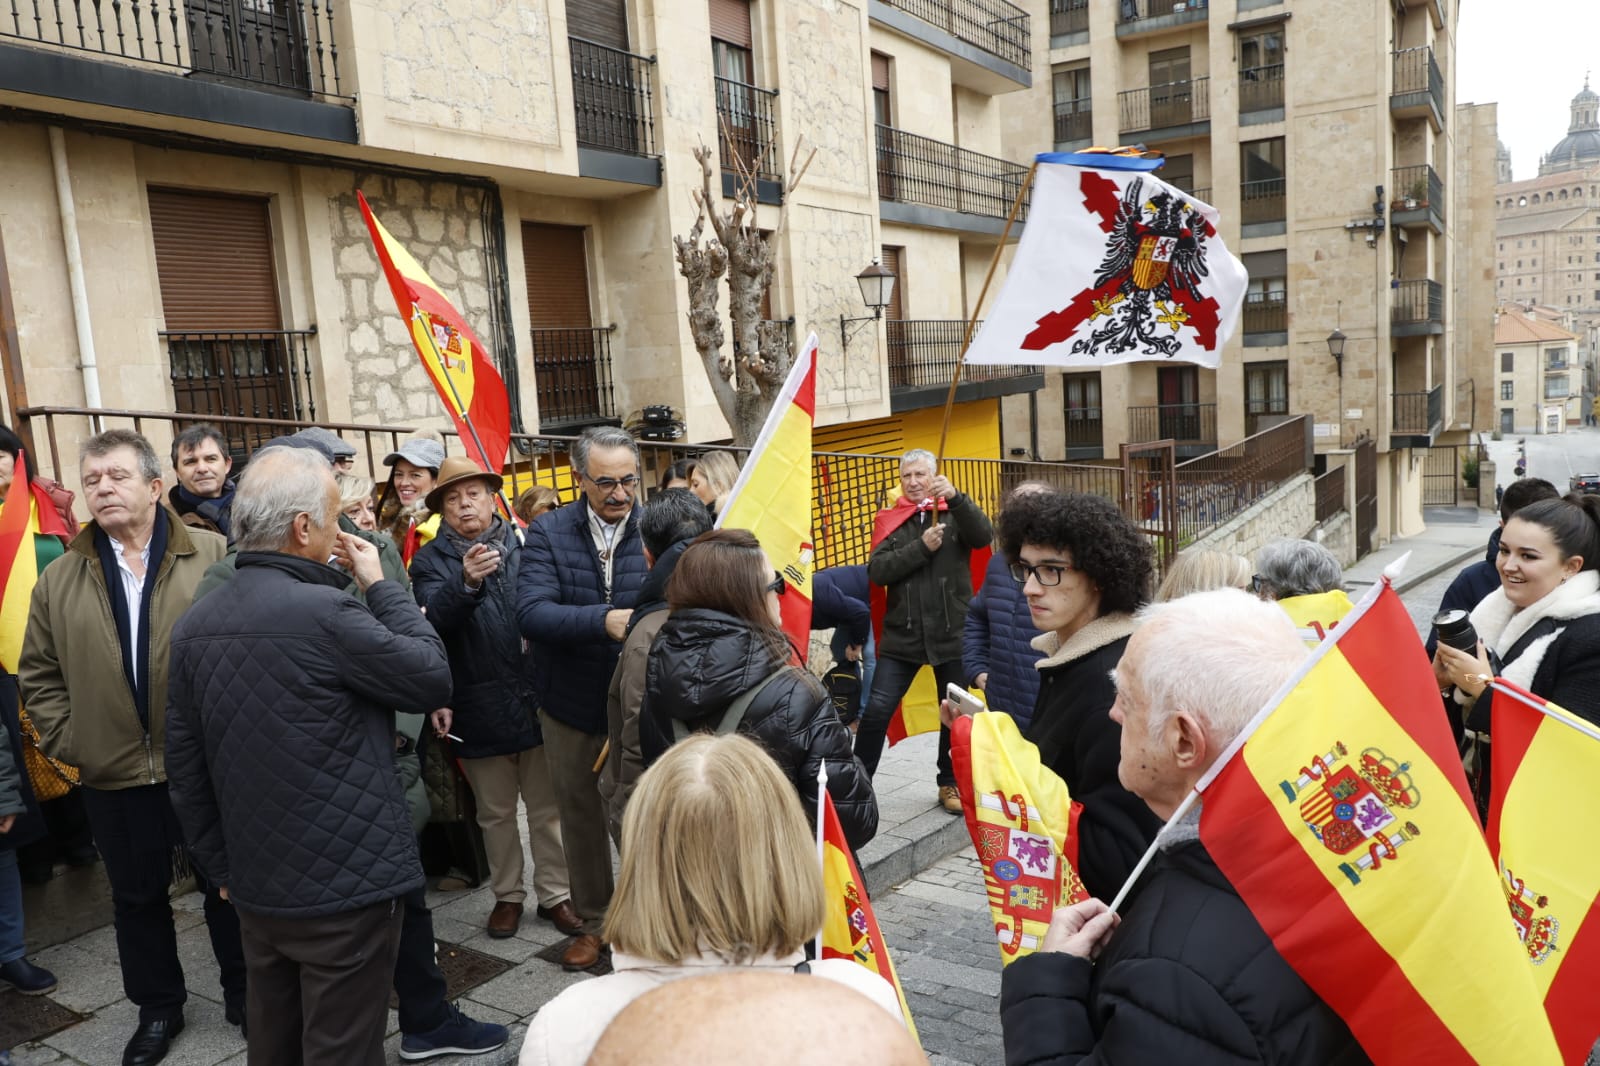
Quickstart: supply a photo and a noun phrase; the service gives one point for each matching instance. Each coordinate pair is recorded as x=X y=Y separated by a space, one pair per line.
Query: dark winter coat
x=703 y=660
x=1078 y=739
x=928 y=591
x=1470 y=587
x=491 y=672
x=213 y=514
x=1189 y=977
x=280 y=736
x=561 y=609
x=999 y=642
x=841 y=597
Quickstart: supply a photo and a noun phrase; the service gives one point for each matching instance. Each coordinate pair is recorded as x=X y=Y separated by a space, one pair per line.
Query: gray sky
x=1529 y=57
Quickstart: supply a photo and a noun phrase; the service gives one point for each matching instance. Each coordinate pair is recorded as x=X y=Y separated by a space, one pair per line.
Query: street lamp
x=877 y=288
x=1336 y=341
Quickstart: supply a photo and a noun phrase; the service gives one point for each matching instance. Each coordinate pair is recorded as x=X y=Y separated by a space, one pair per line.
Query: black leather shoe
x=233 y=1013
x=151 y=1042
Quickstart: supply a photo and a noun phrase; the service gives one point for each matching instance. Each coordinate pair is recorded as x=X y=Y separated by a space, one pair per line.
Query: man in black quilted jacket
x=281 y=760
x=1189 y=976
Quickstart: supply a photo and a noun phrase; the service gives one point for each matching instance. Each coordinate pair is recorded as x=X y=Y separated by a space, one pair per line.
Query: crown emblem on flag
x=1350 y=809
x=1538 y=932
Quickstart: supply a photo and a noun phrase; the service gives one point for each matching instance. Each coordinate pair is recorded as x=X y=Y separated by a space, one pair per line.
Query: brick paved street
x=941 y=937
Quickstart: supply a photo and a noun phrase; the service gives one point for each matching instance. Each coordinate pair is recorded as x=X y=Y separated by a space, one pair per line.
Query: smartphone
x=966 y=701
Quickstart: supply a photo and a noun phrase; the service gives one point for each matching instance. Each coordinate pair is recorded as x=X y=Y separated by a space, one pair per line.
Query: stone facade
x=1338 y=535
x=1290 y=510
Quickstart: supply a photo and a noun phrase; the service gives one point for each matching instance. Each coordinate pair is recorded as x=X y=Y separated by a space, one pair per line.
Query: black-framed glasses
x=778 y=585
x=629 y=483
x=1047 y=575
x=1257 y=583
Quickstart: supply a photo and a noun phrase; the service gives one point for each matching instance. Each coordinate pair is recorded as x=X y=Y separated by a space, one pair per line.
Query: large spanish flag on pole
x=1342 y=817
x=772 y=497
x=1024 y=825
x=1544 y=805
x=456 y=361
x=849 y=928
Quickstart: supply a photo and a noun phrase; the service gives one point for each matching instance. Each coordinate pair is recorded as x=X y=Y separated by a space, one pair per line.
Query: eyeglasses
x=606 y=484
x=1257 y=583
x=1047 y=575
x=779 y=585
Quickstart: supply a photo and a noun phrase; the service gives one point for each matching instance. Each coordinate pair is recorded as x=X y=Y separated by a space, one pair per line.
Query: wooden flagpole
x=977 y=307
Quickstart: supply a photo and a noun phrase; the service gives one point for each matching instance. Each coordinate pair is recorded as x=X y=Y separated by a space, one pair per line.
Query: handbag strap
x=729 y=722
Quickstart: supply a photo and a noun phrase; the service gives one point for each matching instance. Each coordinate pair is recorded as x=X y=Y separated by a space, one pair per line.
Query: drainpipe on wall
x=80 y=292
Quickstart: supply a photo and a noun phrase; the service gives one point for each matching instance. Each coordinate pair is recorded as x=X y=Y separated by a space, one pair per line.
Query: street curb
x=911 y=848
x=1409 y=581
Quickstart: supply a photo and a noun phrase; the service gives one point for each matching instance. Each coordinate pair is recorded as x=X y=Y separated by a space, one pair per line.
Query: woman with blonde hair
x=355 y=500
x=719 y=872
x=712 y=479
x=1202 y=571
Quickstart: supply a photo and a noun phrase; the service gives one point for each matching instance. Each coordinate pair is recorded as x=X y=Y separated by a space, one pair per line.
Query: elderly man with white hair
x=1189 y=975
x=280 y=754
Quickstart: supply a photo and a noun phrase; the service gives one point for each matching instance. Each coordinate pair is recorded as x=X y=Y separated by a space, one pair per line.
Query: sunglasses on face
x=778 y=584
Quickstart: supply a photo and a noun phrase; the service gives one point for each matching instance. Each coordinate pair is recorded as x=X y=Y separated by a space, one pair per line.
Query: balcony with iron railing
x=1136 y=17
x=923 y=354
x=572 y=370
x=1267 y=313
x=994 y=27
x=612 y=101
x=1260 y=89
x=1418 y=86
x=1556 y=361
x=186 y=59
x=1202 y=194
x=747 y=137
x=1166 y=112
x=1068 y=17
x=1418 y=417
x=1263 y=201
x=1417 y=308
x=1074 y=123
x=1416 y=198
x=1085 y=429
x=944 y=185
x=1188 y=424
x=1330 y=494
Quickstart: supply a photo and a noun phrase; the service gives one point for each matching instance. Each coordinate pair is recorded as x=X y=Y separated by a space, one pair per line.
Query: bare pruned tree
x=747 y=381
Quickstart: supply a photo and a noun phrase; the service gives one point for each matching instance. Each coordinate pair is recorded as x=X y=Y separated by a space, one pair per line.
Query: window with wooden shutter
x=894 y=261
x=882 y=92
x=601 y=21
x=730 y=22
x=567 y=350
x=228 y=351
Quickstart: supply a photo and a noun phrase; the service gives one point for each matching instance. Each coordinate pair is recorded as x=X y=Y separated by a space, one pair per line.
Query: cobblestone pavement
x=941 y=938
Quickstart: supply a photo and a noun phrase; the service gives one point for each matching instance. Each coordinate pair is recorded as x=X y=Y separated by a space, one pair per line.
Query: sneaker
x=950 y=798
x=27 y=978
x=459 y=1035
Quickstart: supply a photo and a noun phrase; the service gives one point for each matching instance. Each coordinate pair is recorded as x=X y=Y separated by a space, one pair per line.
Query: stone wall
x=1338 y=535
x=439 y=224
x=1288 y=511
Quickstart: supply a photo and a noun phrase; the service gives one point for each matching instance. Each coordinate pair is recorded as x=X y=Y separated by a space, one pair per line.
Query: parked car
x=1588 y=483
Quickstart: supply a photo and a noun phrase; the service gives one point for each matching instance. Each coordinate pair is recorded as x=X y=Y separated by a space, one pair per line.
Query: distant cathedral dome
x=1580 y=148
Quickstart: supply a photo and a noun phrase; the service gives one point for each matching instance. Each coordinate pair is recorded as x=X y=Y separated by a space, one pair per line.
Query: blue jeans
x=869 y=662
x=11 y=943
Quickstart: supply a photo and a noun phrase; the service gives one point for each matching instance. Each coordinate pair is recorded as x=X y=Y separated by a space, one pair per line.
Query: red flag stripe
x=1514 y=731
x=1281 y=884
x=1572 y=997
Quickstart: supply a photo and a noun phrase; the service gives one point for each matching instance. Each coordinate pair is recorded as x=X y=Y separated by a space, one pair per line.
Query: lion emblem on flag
x=1354 y=809
x=1149 y=285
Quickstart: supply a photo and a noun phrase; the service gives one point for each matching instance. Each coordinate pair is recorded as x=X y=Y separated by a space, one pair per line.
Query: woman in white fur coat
x=1540 y=629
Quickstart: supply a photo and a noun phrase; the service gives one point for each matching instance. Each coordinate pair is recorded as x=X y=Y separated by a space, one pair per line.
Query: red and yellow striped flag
x=772 y=497
x=26 y=513
x=1346 y=826
x=456 y=361
x=1543 y=807
x=1023 y=823
x=849 y=928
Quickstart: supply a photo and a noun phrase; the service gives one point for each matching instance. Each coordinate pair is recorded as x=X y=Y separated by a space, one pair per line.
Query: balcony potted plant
x=1416 y=195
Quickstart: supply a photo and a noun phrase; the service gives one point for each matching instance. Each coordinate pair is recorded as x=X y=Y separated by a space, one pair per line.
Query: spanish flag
x=27 y=512
x=772 y=497
x=849 y=928
x=456 y=360
x=919 y=707
x=1024 y=825
x=1544 y=805
x=1342 y=817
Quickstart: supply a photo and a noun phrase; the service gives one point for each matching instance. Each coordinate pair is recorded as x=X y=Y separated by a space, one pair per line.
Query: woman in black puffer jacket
x=721 y=642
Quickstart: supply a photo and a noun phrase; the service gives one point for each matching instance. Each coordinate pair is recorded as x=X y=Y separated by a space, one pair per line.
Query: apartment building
x=1538 y=379
x=1325 y=135
x=180 y=228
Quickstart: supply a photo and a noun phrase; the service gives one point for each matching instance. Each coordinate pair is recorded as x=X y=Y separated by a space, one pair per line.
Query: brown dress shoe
x=504 y=919
x=582 y=953
x=563 y=917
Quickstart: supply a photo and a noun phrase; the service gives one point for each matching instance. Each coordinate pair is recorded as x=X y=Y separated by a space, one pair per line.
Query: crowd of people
x=611 y=676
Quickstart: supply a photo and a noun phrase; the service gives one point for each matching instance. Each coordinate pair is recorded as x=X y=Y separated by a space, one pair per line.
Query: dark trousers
x=139 y=839
x=319 y=987
x=570 y=754
x=889 y=684
x=418 y=983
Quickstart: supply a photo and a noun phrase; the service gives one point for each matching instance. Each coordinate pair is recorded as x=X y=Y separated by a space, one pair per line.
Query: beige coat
x=71 y=675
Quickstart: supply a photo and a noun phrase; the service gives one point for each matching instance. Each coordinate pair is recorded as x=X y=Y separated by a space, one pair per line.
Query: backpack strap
x=729 y=722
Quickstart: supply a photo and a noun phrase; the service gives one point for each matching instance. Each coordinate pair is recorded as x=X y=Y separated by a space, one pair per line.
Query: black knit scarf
x=119 y=610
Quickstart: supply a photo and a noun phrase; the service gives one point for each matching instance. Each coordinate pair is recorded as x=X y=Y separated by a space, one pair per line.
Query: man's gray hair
x=1298 y=568
x=601 y=437
x=279 y=484
x=112 y=439
x=920 y=455
x=1219 y=655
